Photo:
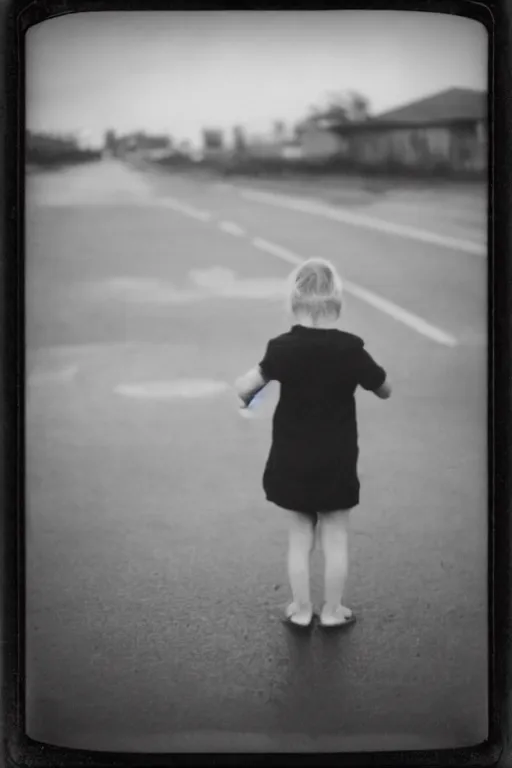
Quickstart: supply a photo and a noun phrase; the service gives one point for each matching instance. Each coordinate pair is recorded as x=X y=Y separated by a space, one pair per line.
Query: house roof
x=454 y=104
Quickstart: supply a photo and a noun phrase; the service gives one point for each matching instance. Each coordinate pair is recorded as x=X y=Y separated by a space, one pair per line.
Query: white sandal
x=293 y=612
x=341 y=618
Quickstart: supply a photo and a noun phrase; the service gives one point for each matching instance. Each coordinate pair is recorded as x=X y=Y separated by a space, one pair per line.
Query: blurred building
x=263 y=145
x=292 y=149
x=273 y=145
x=110 y=143
x=213 y=143
x=445 y=131
x=141 y=144
x=239 y=140
x=320 y=138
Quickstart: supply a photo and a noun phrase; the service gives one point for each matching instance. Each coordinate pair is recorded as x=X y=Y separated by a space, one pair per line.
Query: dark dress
x=312 y=464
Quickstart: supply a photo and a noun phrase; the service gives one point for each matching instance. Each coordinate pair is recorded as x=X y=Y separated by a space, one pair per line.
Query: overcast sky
x=177 y=72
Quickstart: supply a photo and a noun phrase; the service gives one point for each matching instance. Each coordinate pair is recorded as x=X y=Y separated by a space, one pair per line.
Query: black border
x=18 y=749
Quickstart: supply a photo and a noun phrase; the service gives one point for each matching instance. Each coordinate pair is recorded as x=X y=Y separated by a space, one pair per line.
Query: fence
x=342 y=165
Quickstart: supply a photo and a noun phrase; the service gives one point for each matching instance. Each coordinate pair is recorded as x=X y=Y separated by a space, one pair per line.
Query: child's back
x=315 y=426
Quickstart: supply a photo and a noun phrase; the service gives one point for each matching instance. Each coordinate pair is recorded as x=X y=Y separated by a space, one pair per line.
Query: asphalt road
x=156 y=570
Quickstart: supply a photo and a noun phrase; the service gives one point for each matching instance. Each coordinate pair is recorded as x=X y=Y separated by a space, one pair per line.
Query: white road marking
x=177 y=388
x=393 y=310
x=388 y=307
x=188 y=210
x=231 y=228
x=316 y=208
x=276 y=250
x=402 y=315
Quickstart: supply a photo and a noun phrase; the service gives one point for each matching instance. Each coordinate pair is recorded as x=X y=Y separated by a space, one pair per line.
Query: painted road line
x=317 y=208
x=277 y=250
x=402 y=315
x=231 y=228
x=378 y=302
x=188 y=210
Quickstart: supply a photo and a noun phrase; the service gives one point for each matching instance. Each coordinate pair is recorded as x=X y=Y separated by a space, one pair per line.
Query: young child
x=311 y=469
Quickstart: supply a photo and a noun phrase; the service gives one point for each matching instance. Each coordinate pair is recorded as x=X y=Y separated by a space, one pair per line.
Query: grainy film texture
x=178 y=167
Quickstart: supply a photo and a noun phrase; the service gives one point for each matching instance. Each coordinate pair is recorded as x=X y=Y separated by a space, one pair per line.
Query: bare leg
x=334 y=537
x=300 y=547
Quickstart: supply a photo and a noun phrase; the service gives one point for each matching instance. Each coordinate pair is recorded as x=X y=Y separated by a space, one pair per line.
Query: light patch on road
x=168 y=390
x=224 y=282
x=388 y=307
x=59 y=376
x=216 y=282
x=231 y=228
x=187 y=210
x=215 y=279
x=147 y=291
x=317 y=208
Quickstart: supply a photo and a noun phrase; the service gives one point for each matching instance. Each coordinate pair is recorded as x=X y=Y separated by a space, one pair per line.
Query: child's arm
x=248 y=385
x=384 y=391
x=372 y=376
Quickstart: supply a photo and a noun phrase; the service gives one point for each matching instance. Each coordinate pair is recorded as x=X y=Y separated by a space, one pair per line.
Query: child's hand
x=245 y=411
x=243 y=405
x=249 y=405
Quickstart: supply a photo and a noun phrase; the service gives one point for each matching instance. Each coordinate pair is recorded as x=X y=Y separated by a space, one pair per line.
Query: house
x=213 y=143
x=264 y=146
x=292 y=149
x=445 y=131
x=319 y=138
x=272 y=146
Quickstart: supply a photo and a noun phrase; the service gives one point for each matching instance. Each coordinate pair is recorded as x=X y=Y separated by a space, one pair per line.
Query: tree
x=239 y=139
x=279 y=129
x=344 y=106
x=110 y=141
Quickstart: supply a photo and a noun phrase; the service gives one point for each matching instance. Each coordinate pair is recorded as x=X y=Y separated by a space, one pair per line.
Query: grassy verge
x=321 y=177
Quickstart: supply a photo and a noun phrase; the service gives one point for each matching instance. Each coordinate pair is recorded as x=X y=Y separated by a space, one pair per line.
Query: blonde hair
x=315 y=290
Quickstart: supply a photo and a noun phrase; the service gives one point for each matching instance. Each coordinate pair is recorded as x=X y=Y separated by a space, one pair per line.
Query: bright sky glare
x=177 y=72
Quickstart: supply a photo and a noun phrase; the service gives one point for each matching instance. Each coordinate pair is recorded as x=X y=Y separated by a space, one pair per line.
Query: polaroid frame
x=18 y=16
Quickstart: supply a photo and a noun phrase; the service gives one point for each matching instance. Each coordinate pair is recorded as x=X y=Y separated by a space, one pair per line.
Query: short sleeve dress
x=312 y=464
